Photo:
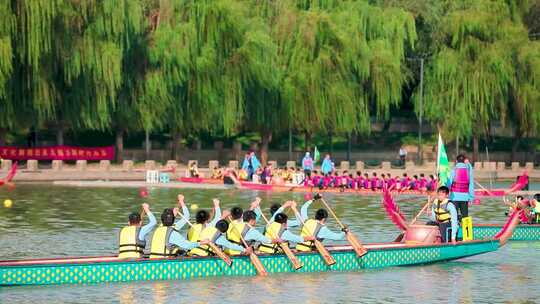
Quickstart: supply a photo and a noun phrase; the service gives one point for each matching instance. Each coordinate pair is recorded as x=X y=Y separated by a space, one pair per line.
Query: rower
x=317 y=228
x=444 y=215
x=236 y=227
x=278 y=229
x=216 y=234
x=277 y=208
x=133 y=237
x=535 y=203
x=201 y=219
x=167 y=240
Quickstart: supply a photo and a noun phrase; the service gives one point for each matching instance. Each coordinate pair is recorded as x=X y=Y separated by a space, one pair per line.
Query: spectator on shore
x=307 y=165
x=402 y=156
x=193 y=170
x=327 y=166
x=251 y=164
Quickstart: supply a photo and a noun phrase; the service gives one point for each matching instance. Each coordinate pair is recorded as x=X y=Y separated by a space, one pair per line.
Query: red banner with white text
x=58 y=153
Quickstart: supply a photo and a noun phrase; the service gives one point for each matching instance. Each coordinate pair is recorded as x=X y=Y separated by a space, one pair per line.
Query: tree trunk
x=331 y=142
x=147 y=143
x=475 y=149
x=307 y=141
x=60 y=135
x=3 y=133
x=176 y=145
x=266 y=137
x=120 y=145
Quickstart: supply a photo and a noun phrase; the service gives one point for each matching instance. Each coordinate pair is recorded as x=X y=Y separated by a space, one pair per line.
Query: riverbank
x=82 y=170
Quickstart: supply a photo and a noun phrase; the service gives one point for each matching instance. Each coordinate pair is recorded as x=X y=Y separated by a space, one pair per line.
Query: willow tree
x=341 y=61
x=204 y=56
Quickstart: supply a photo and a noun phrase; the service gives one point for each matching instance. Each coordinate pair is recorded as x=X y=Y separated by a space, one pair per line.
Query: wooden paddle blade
x=327 y=257
x=221 y=254
x=288 y=252
x=258 y=265
x=356 y=245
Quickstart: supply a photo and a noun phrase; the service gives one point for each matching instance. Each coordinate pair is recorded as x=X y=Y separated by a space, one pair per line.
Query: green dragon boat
x=523 y=232
x=87 y=270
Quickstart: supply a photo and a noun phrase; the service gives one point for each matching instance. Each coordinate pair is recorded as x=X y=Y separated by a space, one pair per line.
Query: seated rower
x=444 y=215
x=317 y=228
x=216 y=234
x=133 y=236
x=535 y=204
x=236 y=226
x=201 y=219
x=167 y=240
x=278 y=229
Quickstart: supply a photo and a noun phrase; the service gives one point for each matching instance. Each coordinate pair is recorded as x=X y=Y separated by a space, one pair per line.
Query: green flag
x=443 y=169
x=316 y=155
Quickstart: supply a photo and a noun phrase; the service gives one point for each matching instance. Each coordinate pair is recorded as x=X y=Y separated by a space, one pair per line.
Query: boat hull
x=521 y=232
x=100 y=270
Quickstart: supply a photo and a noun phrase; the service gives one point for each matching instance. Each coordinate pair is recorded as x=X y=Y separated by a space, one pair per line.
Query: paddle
x=227 y=259
x=252 y=256
x=353 y=240
x=422 y=210
x=484 y=188
x=327 y=257
x=288 y=252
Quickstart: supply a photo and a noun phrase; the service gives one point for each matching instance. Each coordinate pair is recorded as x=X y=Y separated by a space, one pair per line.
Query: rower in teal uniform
x=133 y=237
x=316 y=227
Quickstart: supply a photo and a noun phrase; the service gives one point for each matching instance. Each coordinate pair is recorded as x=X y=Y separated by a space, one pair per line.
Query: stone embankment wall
x=128 y=170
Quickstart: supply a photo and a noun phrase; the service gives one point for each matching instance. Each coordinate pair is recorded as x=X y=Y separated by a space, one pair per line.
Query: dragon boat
x=419 y=246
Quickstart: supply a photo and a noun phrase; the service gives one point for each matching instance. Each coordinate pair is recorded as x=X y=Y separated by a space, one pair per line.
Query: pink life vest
x=308 y=163
x=461 y=181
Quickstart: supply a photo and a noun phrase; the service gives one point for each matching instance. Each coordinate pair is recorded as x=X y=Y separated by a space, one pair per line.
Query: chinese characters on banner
x=58 y=153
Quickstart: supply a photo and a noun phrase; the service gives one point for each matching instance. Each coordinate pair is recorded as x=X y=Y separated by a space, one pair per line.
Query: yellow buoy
x=194 y=206
x=8 y=203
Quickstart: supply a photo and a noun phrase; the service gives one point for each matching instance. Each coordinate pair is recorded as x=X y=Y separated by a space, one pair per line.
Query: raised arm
x=151 y=222
x=217 y=212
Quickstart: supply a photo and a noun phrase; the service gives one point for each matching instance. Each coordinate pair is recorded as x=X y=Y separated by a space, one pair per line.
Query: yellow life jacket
x=208 y=233
x=160 y=246
x=442 y=215
x=233 y=235
x=274 y=230
x=129 y=245
x=536 y=208
x=311 y=228
x=194 y=232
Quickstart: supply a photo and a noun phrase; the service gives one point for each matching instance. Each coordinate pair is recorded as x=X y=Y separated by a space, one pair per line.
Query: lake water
x=51 y=221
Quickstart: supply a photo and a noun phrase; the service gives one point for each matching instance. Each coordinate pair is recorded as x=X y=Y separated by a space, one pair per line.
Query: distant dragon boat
x=416 y=249
x=517 y=186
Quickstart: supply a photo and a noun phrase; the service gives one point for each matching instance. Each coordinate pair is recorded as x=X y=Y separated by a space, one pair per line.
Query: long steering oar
x=288 y=252
x=252 y=256
x=325 y=254
x=355 y=243
x=484 y=188
x=227 y=259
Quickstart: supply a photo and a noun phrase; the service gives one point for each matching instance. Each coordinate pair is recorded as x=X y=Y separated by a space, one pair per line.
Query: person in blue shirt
x=444 y=214
x=307 y=166
x=133 y=237
x=461 y=185
x=327 y=165
x=251 y=164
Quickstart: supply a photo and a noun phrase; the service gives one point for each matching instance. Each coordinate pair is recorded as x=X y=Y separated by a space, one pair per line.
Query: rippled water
x=47 y=221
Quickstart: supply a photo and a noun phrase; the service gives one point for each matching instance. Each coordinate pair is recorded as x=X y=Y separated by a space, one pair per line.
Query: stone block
x=359 y=166
x=171 y=164
x=501 y=166
x=104 y=165
x=291 y=164
x=150 y=165
x=81 y=164
x=344 y=165
x=386 y=165
x=529 y=166
x=515 y=166
x=233 y=164
x=32 y=165
x=273 y=163
x=6 y=164
x=57 y=165
x=127 y=165
x=478 y=166
x=213 y=164
x=492 y=166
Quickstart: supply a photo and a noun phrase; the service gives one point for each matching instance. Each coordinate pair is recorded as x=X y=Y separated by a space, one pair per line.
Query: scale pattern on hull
x=185 y=268
x=521 y=233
